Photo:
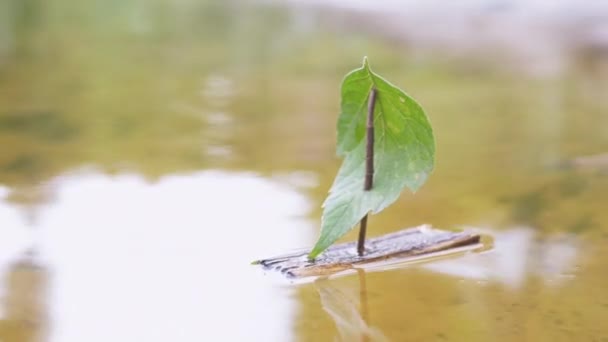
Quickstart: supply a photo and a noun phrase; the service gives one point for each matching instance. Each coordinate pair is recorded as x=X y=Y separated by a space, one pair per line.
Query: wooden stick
x=362 y=230
x=404 y=246
x=369 y=165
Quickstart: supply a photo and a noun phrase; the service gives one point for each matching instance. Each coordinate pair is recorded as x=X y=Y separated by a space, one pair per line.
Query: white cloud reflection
x=133 y=261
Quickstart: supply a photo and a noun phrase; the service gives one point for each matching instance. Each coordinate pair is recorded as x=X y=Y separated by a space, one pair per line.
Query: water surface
x=151 y=150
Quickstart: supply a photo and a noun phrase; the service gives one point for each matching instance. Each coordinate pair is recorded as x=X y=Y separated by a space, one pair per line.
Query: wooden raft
x=403 y=245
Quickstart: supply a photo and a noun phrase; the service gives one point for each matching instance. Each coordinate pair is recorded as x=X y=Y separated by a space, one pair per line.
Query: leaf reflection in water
x=352 y=322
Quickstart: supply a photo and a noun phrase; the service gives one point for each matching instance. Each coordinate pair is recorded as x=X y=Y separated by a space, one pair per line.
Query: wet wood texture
x=402 y=245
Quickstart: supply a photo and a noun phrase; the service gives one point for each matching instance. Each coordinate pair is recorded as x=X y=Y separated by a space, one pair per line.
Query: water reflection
x=23 y=312
x=516 y=255
x=162 y=87
x=352 y=321
x=126 y=255
x=506 y=30
x=217 y=93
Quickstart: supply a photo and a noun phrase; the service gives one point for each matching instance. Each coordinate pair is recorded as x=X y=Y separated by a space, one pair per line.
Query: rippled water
x=152 y=150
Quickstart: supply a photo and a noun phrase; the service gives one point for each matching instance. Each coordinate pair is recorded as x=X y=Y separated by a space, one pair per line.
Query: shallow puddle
x=152 y=150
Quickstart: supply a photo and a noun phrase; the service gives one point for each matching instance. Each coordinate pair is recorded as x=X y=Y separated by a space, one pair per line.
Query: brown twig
x=369 y=165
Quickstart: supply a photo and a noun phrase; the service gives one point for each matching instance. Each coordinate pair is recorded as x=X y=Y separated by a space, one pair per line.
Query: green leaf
x=404 y=153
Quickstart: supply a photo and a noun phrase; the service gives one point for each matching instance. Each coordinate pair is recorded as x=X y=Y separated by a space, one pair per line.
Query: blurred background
x=150 y=150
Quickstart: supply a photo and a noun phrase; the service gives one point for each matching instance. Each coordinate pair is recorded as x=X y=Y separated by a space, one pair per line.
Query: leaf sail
x=403 y=154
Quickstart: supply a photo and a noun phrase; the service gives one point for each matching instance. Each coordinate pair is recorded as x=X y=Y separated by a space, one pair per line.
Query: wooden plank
x=402 y=245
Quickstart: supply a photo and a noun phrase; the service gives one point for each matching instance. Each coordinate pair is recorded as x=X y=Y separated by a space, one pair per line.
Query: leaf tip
x=365 y=63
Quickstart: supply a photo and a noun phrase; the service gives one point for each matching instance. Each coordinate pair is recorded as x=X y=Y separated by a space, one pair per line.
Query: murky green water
x=152 y=149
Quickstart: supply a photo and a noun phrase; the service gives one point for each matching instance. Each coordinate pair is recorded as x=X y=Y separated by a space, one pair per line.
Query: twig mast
x=369 y=165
